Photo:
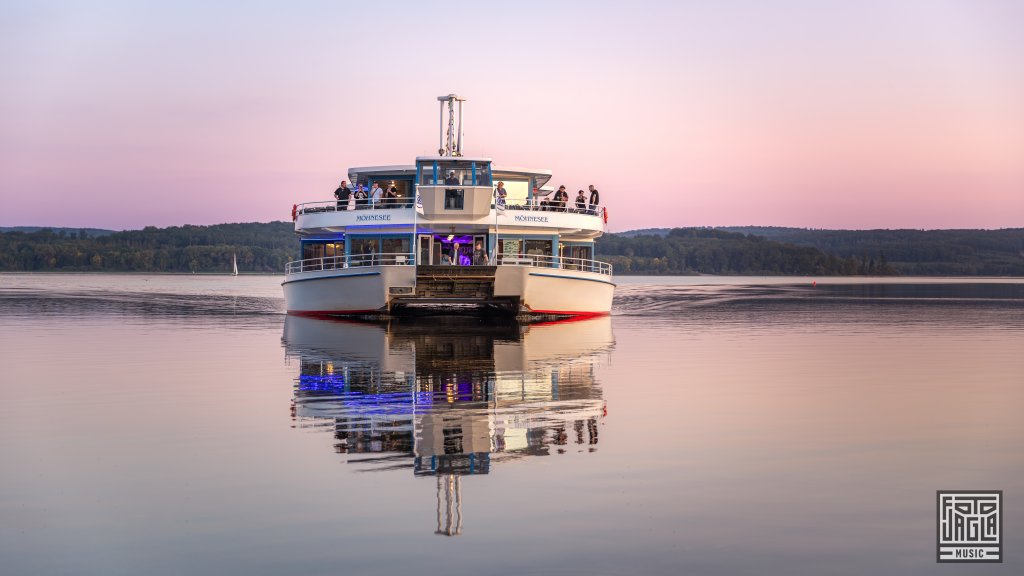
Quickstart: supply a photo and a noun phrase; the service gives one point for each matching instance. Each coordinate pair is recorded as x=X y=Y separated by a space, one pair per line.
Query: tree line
x=259 y=247
x=712 y=251
x=266 y=247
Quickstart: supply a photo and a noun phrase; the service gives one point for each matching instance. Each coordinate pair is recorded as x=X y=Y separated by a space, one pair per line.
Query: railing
x=536 y=205
x=350 y=261
x=343 y=205
x=408 y=259
x=546 y=261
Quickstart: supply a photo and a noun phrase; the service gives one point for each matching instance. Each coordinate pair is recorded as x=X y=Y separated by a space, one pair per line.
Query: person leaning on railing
x=361 y=197
x=341 y=193
x=581 y=202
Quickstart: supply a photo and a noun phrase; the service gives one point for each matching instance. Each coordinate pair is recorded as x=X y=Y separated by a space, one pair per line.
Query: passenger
x=391 y=198
x=455 y=255
x=451 y=179
x=341 y=193
x=581 y=202
x=561 y=197
x=479 y=256
x=446 y=259
x=595 y=199
x=376 y=193
x=499 y=196
x=361 y=197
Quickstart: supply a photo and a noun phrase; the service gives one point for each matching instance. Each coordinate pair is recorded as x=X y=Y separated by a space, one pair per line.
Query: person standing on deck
x=595 y=199
x=376 y=194
x=341 y=194
x=581 y=202
x=479 y=256
x=361 y=197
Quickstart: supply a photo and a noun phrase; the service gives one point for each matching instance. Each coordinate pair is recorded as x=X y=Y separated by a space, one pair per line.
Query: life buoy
x=295 y=213
x=605 y=215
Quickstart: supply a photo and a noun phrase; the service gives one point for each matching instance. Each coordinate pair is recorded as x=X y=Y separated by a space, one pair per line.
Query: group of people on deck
x=358 y=197
x=584 y=204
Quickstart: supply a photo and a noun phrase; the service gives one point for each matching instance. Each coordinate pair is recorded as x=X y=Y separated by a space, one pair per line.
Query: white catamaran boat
x=442 y=238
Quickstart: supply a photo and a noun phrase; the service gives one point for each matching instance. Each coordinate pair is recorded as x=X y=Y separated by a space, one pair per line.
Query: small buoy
x=814 y=283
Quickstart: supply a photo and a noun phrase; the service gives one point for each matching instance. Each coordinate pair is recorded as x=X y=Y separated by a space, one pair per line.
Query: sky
x=820 y=114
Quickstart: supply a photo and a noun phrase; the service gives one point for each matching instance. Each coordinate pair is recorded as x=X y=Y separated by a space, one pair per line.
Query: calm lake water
x=184 y=425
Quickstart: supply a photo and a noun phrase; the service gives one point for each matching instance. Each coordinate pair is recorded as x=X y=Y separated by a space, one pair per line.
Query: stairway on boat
x=455 y=282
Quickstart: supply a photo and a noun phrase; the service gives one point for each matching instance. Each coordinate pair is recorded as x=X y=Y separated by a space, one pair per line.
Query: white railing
x=546 y=261
x=534 y=205
x=408 y=259
x=350 y=261
x=537 y=205
x=343 y=205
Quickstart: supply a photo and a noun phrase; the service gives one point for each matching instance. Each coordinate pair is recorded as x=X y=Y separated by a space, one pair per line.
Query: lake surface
x=184 y=425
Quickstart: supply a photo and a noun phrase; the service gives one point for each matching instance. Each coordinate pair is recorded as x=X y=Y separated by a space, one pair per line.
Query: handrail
x=409 y=259
x=350 y=261
x=342 y=205
x=548 y=261
x=570 y=207
x=533 y=205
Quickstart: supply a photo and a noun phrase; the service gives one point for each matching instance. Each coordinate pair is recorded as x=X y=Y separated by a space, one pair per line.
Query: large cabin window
x=454 y=198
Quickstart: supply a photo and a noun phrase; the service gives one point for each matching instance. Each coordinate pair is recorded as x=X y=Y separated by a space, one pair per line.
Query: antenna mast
x=450 y=142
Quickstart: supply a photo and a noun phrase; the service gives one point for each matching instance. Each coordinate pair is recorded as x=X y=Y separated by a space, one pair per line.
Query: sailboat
x=234 y=264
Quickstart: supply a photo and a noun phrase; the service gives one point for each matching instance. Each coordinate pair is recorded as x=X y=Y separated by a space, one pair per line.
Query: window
x=483 y=173
x=454 y=198
x=455 y=173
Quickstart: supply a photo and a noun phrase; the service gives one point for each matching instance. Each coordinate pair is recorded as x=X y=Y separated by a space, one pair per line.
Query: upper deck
x=452 y=192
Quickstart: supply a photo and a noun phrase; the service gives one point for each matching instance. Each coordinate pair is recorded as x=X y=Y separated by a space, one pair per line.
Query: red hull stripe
x=331 y=312
x=569 y=313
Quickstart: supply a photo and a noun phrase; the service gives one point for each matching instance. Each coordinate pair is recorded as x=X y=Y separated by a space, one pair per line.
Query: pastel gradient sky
x=860 y=114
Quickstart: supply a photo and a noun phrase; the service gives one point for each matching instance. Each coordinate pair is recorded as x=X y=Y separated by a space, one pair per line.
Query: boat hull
x=372 y=290
x=351 y=291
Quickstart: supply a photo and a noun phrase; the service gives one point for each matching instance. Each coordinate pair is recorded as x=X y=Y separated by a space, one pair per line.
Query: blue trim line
x=572 y=278
x=333 y=276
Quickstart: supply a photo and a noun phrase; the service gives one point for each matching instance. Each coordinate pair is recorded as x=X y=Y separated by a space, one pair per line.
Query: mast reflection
x=449 y=397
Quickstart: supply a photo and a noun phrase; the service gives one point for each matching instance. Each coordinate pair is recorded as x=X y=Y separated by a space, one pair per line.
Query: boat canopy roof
x=360 y=173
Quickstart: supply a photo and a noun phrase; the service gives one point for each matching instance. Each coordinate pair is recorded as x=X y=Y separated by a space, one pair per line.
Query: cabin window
x=396 y=250
x=458 y=173
x=454 y=198
x=483 y=173
x=427 y=174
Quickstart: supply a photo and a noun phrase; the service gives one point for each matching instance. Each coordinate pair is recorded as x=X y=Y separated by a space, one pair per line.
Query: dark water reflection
x=449 y=397
x=184 y=425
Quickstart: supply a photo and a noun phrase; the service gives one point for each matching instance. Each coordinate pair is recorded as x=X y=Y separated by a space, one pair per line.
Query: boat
x=234 y=264
x=443 y=240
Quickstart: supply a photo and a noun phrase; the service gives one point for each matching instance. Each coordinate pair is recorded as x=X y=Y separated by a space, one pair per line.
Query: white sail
x=234 y=264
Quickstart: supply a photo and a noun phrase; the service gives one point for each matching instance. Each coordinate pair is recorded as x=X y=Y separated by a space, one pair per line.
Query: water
x=181 y=424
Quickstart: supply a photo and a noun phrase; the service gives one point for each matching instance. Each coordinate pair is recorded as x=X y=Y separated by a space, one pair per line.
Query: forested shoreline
x=266 y=247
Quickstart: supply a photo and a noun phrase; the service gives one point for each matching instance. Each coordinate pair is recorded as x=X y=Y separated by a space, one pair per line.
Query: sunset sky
x=860 y=114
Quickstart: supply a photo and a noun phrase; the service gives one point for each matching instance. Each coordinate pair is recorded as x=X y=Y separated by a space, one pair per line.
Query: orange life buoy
x=295 y=213
x=605 y=215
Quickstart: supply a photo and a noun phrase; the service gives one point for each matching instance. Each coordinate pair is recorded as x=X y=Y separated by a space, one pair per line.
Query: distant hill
x=907 y=252
x=90 y=232
x=915 y=252
x=260 y=248
x=266 y=247
x=711 y=251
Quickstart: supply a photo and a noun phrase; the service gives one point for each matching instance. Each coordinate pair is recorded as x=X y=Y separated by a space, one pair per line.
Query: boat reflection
x=449 y=397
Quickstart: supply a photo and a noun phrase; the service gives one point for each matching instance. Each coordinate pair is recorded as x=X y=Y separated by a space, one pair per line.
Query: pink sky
x=868 y=114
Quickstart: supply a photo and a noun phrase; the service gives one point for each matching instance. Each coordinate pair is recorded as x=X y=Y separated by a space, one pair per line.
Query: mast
x=450 y=140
